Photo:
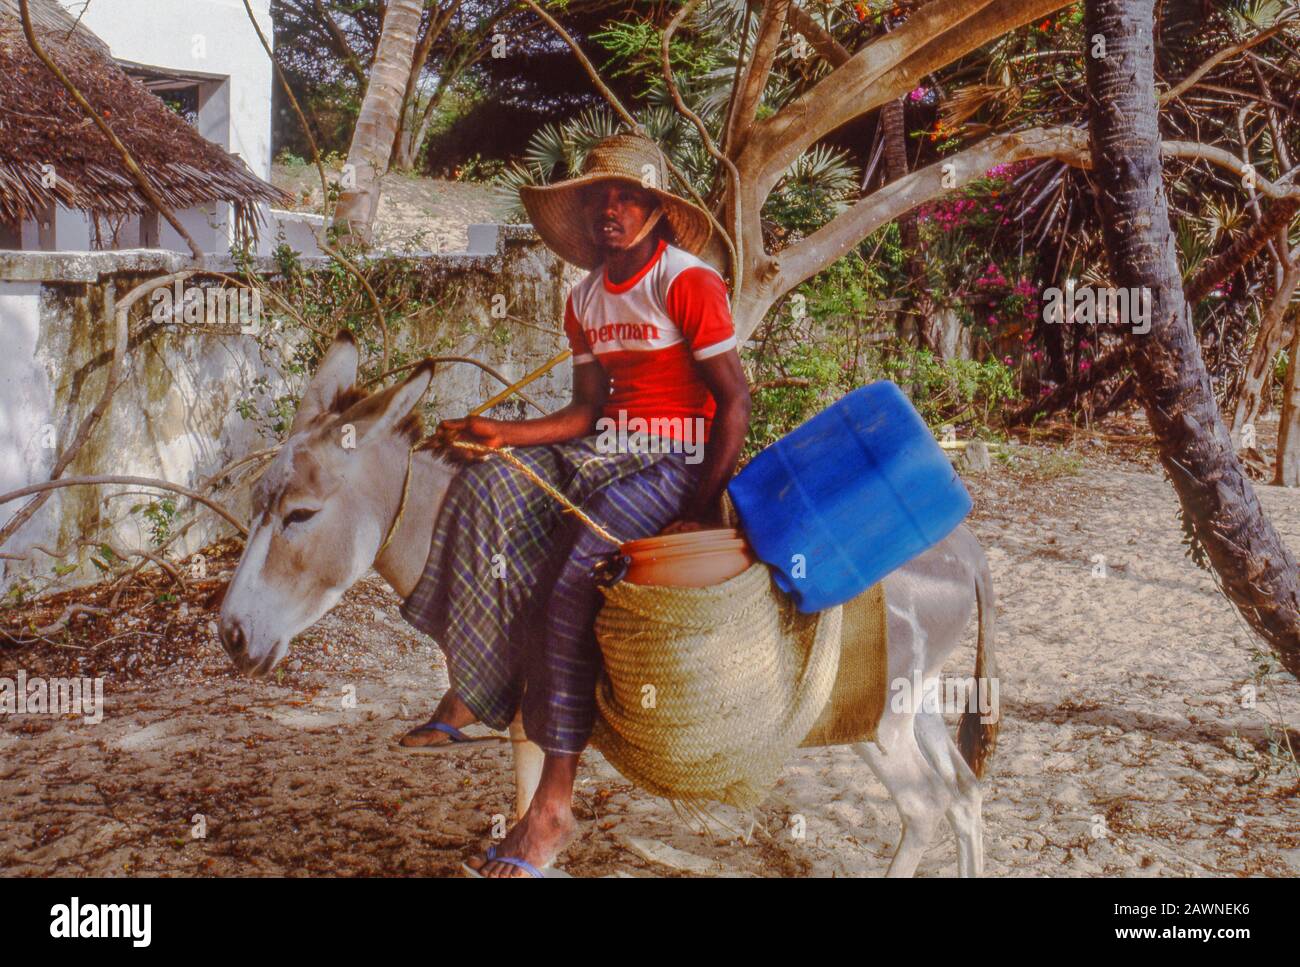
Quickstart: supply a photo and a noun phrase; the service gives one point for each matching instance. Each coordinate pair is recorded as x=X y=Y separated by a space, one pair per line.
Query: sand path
x=1126 y=749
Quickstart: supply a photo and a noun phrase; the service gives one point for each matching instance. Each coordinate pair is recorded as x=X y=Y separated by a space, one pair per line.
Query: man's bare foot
x=538 y=838
x=450 y=711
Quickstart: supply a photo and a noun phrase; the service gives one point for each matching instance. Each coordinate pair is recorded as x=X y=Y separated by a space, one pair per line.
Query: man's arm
x=726 y=381
x=577 y=419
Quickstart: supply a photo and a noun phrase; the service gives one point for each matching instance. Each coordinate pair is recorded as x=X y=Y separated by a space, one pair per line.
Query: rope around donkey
x=569 y=506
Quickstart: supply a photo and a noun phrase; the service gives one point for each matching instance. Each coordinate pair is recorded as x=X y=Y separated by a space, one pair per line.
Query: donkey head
x=322 y=507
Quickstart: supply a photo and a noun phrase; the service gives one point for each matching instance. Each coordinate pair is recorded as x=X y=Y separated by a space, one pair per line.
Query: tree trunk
x=893 y=131
x=409 y=142
x=1288 y=431
x=1256 y=571
x=372 y=141
x=1269 y=341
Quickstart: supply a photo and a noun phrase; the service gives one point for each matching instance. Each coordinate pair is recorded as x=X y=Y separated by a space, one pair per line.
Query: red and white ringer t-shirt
x=647 y=331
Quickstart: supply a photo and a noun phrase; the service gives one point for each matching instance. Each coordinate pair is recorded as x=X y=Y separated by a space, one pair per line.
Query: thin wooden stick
x=513 y=387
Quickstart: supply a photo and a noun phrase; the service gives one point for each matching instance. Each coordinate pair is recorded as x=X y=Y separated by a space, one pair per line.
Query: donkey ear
x=335 y=376
x=383 y=411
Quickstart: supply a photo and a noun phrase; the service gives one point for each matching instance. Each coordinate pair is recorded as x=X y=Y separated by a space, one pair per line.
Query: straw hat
x=556 y=210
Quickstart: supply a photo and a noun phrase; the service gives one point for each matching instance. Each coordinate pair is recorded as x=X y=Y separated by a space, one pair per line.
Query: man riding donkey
x=507 y=591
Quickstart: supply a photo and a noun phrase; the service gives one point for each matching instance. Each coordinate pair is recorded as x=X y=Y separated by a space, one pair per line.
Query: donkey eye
x=298 y=516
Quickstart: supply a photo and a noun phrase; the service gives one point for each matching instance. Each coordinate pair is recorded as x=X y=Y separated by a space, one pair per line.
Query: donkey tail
x=977 y=739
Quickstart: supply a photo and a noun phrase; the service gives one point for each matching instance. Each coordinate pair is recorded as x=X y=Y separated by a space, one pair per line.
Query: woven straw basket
x=707 y=691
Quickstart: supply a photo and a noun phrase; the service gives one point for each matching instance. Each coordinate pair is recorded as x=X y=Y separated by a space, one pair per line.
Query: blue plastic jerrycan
x=855 y=492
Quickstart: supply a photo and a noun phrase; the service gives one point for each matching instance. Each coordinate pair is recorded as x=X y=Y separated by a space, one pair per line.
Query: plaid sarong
x=507 y=591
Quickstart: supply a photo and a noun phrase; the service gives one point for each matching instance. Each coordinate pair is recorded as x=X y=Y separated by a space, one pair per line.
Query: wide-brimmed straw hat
x=556 y=210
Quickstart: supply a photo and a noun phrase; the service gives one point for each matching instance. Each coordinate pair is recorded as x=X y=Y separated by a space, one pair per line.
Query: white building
x=204 y=58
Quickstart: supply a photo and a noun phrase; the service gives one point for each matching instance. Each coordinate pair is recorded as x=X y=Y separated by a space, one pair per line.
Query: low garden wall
x=194 y=397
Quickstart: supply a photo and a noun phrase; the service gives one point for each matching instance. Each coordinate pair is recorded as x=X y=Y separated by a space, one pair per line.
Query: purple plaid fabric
x=507 y=590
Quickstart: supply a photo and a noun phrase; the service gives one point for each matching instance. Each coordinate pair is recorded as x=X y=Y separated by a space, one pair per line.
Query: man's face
x=615 y=212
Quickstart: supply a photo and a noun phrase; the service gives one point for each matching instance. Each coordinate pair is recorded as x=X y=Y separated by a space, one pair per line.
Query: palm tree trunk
x=1256 y=571
x=381 y=111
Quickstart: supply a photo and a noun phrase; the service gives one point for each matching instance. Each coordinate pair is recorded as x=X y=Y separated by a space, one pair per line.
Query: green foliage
x=635 y=49
x=19 y=592
x=826 y=340
x=1281 y=362
x=779 y=409
x=819 y=185
x=1039 y=463
x=479 y=169
x=287 y=158
x=159 y=516
x=272 y=415
x=951 y=390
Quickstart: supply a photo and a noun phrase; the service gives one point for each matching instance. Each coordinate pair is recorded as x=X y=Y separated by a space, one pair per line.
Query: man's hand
x=681 y=526
x=471 y=429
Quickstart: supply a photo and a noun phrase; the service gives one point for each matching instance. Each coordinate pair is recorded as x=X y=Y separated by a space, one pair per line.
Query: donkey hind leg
x=919 y=794
x=965 y=798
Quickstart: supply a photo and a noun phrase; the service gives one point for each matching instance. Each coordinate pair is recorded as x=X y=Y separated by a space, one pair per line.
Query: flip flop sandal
x=459 y=740
x=546 y=872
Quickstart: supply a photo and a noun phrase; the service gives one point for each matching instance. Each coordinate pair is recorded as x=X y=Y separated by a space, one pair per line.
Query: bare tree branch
x=885 y=69
x=97 y=479
x=755 y=80
x=830 y=49
x=1218 y=58
x=1226 y=159
x=738 y=248
x=809 y=256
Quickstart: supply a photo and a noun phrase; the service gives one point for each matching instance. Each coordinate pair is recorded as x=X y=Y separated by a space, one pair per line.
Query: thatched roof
x=40 y=124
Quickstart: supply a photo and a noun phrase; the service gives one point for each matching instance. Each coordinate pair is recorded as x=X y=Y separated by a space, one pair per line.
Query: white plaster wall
x=298 y=230
x=26 y=407
x=209 y=226
x=176 y=413
x=209 y=38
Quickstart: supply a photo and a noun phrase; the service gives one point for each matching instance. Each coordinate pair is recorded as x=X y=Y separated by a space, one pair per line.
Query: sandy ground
x=415 y=214
x=1126 y=749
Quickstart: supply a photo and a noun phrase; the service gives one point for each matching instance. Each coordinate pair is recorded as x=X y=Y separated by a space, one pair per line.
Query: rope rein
x=504 y=453
x=569 y=506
